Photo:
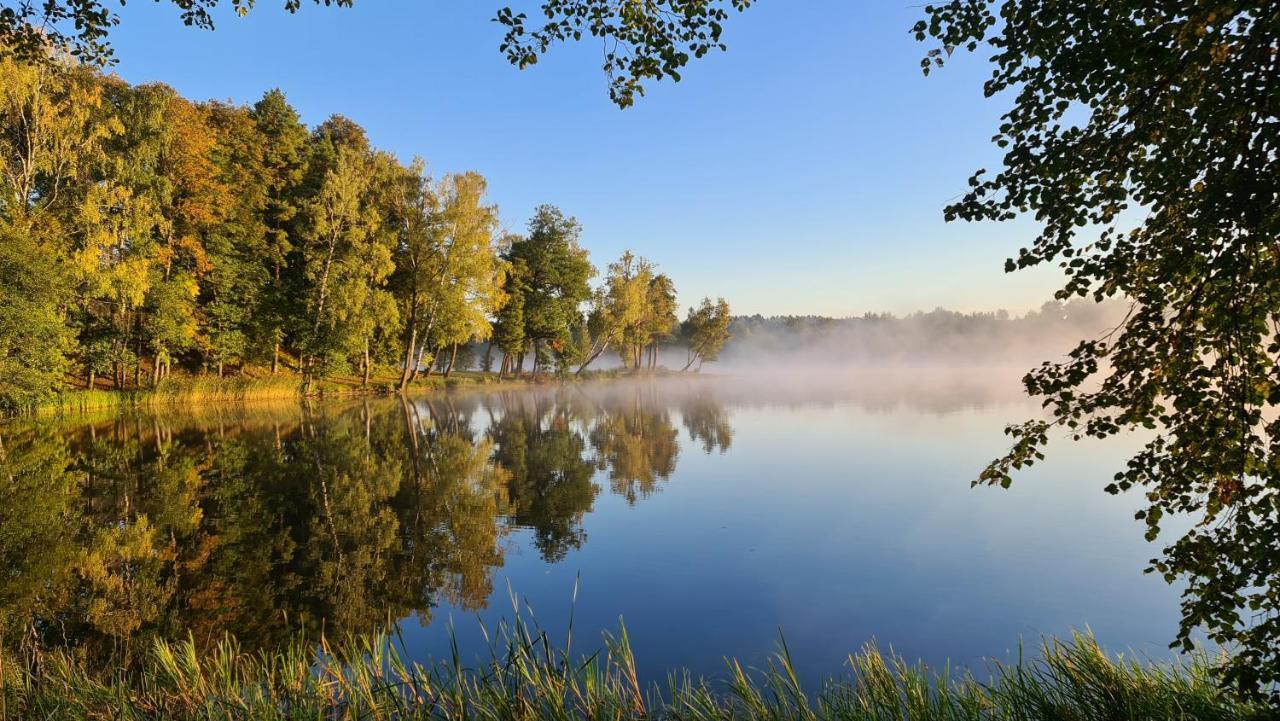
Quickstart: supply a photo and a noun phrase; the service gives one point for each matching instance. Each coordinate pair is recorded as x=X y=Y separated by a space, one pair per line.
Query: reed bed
x=526 y=676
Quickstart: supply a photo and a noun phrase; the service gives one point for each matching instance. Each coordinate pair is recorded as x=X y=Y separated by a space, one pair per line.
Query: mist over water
x=938 y=338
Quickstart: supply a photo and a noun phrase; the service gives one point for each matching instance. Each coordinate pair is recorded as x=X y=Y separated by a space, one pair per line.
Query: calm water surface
x=707 y=514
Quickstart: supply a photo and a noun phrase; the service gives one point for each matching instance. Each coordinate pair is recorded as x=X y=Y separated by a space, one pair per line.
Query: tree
x=282 y=157
x=335 y=254
x=467 y=288
x=34 y=336
x=365 y=305
x=660 y=314
x=1143 y=137
x=705 y=331
x=450 y=274
x=508 y=326
x=619 y=309
x=555 y=274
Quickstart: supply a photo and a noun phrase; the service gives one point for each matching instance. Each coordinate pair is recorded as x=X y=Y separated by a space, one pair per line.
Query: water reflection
x=321 y=519
x=707 y=512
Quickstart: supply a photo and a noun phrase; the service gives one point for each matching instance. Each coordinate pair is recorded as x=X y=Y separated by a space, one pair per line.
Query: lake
x=710 y=515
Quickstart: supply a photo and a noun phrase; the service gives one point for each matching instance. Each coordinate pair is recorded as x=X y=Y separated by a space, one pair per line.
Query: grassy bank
x=528 y=677
x=195 y=390
x=189 y=390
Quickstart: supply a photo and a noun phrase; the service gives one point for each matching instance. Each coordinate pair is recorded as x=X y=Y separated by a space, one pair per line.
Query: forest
x=145 y=237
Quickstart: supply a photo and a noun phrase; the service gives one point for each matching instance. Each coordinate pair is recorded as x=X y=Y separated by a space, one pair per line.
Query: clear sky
x=803 y=171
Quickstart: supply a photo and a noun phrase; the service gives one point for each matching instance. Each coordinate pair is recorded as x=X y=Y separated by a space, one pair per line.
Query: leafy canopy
x=81 y=27
x=643 y=41
x=1143 y=137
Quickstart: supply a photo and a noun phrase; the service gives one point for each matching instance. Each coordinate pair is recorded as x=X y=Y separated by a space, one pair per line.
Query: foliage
x=1143 y=139
x=527 y=675
x=554 y=271
x=705 y=330
x=81 y=27
x=145 y=233
x=642 y=41
x=34 y=336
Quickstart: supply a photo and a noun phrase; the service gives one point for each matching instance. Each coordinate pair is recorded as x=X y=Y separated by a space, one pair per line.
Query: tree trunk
x=406 y=373
x=275 y=358
x=410 y=360
x=488 y=358
x=417 y=362
x=453 y=356
x=155 y=370
x=689 y=365
x=92 y=377
x=307 y=367
x=365 y=381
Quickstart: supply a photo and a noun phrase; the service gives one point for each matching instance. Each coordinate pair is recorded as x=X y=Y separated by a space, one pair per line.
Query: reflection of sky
x=840 y=524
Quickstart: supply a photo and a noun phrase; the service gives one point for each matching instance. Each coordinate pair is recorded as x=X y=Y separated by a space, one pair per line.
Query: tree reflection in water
x=265 y=522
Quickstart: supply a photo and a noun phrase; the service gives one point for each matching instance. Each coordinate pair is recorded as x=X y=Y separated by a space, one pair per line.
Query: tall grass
x=193 y=390
x=526 y=676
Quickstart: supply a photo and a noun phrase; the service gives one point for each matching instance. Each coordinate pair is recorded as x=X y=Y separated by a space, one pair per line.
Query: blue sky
x=802 y=171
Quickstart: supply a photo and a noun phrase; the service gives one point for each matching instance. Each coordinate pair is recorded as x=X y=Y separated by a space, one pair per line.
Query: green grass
x=526 y=676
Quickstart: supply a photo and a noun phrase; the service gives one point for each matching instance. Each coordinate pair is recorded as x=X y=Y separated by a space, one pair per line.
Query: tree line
x=142 y=232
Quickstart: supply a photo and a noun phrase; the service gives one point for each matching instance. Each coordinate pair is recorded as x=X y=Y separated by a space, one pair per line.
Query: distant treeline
x=934 y=337
x=141 y=232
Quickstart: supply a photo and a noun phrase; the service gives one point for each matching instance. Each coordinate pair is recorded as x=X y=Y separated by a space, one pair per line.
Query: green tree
x=34 y=336
x=660 y=315
x=1143 y=138
x=555 y=274
x=281 y=155
x=468 y=286
x=508 y=326
x=705 y=331
x=619 y=309
x=339 y=243
x=236 y=292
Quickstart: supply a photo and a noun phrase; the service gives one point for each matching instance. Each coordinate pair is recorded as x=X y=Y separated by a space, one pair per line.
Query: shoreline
x=201 y=390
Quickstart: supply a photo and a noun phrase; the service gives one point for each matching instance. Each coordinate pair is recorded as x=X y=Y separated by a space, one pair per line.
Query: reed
x=527 y=676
